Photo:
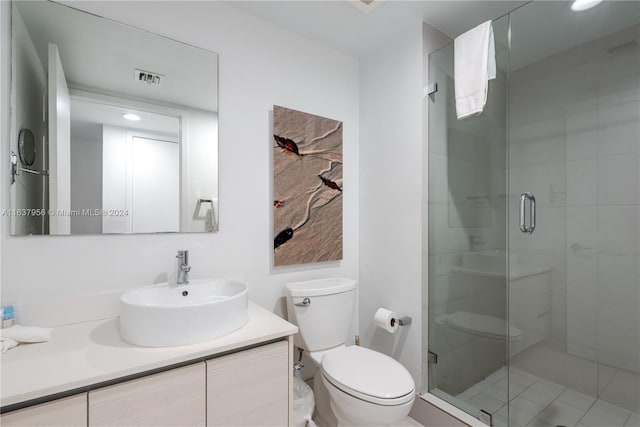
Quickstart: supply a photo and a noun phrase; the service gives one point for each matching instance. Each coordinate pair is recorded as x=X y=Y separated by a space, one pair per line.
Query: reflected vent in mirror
x=147 y=77
x=365 y=6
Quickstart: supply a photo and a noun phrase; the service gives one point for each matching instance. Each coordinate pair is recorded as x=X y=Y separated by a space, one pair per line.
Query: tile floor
x=550 y=360
x=535 y=402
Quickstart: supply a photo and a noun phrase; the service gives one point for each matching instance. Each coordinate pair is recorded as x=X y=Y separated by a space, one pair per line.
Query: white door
x=155 y=189
x=59 y=107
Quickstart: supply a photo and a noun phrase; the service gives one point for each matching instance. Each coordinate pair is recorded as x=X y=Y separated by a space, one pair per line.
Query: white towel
x=209 y=221
x=7 y=344
x=474 y=65
x=11 y=337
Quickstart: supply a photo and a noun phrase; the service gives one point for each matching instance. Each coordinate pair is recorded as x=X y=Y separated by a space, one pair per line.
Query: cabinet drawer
x=249 y=388
x=68 y=412
x=172 y=398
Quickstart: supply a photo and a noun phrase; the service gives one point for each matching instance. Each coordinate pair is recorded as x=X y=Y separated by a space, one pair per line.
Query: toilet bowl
x=366 y=388
x=353 y=386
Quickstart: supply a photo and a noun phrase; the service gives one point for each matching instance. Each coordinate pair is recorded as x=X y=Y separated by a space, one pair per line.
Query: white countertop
x=88 y=353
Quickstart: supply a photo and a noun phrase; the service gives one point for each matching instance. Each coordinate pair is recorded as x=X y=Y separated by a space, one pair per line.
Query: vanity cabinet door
x=171 y=398
x=68 y=412
x=249 y=388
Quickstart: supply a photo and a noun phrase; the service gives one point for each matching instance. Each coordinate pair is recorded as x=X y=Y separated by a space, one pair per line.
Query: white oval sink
x=163 y=315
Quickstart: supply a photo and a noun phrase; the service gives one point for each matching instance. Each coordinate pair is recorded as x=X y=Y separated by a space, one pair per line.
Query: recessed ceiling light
x=580 y=5
x=131 y=116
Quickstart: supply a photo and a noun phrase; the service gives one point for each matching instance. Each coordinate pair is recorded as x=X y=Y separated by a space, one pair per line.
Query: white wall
x=86 y=175
x=260 y=65
x=202 y=182
x=113 y=181
x=391 y=84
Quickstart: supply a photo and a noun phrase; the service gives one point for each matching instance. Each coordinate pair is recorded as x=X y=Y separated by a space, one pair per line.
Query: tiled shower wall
x=575 y=139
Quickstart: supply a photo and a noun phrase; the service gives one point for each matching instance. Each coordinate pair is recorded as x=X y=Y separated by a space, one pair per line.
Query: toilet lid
x=368 y=374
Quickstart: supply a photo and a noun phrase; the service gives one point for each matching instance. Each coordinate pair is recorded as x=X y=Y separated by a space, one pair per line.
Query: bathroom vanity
x=87 y=376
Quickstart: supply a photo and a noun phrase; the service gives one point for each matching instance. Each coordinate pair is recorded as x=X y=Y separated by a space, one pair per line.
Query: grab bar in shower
x=532 y=212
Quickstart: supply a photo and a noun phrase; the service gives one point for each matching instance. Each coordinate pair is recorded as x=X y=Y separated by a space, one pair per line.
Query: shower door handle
x=532 y=213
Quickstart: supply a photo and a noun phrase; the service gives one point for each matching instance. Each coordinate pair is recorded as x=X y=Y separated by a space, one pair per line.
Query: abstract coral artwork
x=307 y=188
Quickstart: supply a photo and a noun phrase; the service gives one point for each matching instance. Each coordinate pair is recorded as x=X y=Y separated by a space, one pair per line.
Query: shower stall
x=538 y=324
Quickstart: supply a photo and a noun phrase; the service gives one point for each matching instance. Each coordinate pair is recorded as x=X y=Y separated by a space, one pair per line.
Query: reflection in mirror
x=27 y=147
x=123 y=127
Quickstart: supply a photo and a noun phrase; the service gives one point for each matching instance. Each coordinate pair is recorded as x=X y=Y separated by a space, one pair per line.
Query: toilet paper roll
x=386 y=319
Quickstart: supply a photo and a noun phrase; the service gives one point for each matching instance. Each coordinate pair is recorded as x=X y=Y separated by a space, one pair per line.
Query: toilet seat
x=368 y=375
x=481 y=325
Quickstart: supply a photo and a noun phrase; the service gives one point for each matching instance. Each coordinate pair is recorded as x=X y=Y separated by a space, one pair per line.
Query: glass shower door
x=537 y=323
x=467 y=298
x=574 y=146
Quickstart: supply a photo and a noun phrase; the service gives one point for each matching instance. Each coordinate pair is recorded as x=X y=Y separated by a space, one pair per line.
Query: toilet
x=353 y=385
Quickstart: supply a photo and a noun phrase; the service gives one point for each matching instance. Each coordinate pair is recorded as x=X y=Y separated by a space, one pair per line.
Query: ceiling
x=106 y=54
x=538 y=30
x=344 y=27
x=86 y=112
x=545 y=28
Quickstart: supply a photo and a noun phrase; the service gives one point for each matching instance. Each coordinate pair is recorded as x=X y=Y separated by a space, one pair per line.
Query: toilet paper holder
x=404 y=321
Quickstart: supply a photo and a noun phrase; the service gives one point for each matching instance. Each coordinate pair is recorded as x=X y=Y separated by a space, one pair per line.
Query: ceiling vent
x=147 y=77
x=365 y=6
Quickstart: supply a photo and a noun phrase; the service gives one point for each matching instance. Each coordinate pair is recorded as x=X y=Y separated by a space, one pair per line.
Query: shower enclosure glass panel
x=563 y=124
x=574 y=142
x=467 y=306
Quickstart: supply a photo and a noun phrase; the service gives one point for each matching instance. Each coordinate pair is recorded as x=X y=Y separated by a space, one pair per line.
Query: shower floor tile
x=633 y=421
x=536 y=402
x=577 y=399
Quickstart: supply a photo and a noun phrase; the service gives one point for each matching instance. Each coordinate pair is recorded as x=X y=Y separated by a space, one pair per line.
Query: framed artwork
x=307 y=188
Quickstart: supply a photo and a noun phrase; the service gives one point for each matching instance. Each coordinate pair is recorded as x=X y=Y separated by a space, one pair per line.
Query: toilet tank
x=322 y=309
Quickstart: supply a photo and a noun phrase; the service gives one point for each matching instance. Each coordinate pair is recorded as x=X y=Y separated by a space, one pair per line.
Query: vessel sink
x=169 y=315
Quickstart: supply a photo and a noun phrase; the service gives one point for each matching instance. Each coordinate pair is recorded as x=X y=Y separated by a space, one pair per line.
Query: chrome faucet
x=183 y=268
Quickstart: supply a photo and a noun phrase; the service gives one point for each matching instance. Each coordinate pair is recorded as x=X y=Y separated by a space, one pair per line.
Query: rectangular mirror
x=114 y=130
